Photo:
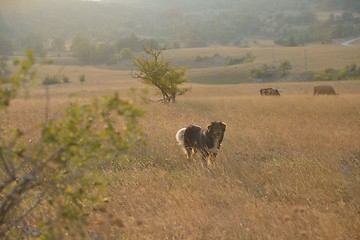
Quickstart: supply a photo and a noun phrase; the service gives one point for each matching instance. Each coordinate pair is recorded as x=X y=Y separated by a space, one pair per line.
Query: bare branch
x=27 y=212
x=14 y=197
x=5 y=165
x=6 y=183
x=27 y=182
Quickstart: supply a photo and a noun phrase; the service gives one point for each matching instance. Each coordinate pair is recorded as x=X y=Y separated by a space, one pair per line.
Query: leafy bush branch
x=54 y=173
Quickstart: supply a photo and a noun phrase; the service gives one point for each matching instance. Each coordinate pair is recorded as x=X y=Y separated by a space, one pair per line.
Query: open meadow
x=288 y=166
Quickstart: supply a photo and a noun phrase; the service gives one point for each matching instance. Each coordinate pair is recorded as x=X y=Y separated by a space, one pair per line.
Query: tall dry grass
x=288 y=167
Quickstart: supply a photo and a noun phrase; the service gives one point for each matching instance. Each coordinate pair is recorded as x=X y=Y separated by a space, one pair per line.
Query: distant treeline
x=53 y=24
x=271 y=73
x=349 y=72
x=341 y=26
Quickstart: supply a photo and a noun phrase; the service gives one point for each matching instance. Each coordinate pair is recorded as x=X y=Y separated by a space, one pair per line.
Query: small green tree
x=82 y=78
x=284 y=68
x=154 y=70
x=264 y=72
x=268 y=72
x=54 y=174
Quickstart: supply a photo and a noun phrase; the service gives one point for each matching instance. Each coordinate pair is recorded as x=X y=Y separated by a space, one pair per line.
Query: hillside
x=312 y=58
x=46 y=25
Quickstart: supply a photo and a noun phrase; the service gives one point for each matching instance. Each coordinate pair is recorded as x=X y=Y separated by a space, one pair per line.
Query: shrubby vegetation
x=270 y=72
x=54 y=79
x=217 y=59
x=247 y=58
x=82 y=78
x=349 y=72
x=54 y=174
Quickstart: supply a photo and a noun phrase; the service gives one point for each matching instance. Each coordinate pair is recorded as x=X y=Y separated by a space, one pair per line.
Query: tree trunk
x=173 y=98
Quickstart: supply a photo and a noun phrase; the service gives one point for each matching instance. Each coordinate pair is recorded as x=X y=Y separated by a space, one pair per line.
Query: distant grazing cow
x=269 y=92
x=324 y=90
x=275 y=92
x=265 y=91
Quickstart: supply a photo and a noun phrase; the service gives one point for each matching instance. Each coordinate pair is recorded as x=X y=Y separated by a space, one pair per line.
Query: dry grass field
x=288 y=167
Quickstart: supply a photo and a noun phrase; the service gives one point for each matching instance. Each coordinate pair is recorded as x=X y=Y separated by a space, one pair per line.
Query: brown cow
x=324 y=90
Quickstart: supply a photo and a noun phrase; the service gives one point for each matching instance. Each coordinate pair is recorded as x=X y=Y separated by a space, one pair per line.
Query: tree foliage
x=154 y=70
x=349 y=72
x=268 y=72
x=54 y=174
x=92 y=53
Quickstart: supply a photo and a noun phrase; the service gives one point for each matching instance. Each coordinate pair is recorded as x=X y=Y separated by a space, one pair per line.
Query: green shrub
x=65 y=79
x=48 y=185
x=347 y=73
x=247 y=58
x=50 y=80
x=268 y=72
x=82 y=78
